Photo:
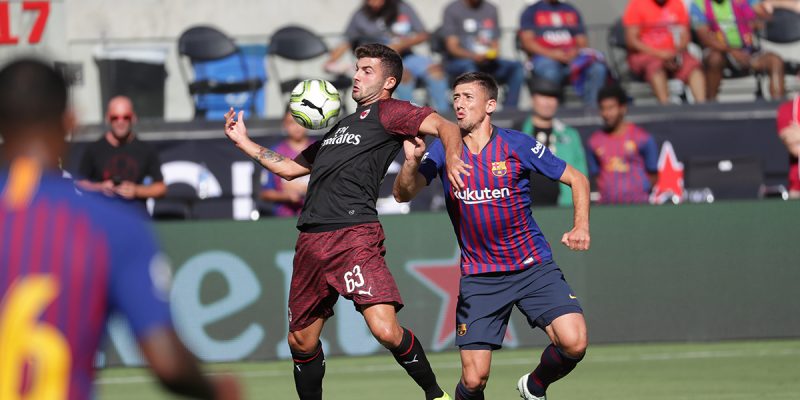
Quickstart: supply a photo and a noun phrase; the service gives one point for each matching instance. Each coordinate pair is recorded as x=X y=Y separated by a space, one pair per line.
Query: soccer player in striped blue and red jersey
x=622 y=157
x=68 y=260
x=505 y=258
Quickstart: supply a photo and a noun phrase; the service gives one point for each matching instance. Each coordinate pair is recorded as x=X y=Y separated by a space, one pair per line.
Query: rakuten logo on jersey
x=342 y=137
x=479 y=196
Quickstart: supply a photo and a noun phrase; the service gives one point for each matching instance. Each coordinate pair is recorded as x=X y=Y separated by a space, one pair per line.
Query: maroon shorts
x=646 y=65
x=347 y=262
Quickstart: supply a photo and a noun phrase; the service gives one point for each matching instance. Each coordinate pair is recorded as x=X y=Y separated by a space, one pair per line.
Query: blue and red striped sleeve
x=536 y=157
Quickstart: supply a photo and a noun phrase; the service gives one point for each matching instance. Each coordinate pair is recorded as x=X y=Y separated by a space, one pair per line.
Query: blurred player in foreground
x=67 y=261
x=505 y=258
x=340 y=249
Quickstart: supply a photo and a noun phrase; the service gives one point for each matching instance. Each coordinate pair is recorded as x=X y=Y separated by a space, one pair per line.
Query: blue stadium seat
x=225 y=75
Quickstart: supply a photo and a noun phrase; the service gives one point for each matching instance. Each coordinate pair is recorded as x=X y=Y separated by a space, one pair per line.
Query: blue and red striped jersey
x=492 y=217
x=68 y=260
x=621 y=164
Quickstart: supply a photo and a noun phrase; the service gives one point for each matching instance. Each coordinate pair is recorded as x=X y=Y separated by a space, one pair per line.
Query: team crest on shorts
x=365 y=113
x=461 y=330
x=499 y=168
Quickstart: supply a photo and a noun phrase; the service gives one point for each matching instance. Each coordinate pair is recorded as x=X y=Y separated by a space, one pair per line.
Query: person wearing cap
x=560 y=138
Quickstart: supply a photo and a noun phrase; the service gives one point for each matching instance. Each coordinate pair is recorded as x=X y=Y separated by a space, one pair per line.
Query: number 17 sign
x=42 y=11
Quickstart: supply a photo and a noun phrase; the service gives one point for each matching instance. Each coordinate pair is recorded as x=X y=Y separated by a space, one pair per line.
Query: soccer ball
x=314 y=103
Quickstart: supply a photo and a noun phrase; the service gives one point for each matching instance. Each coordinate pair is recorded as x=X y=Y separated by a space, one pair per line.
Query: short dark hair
x=391 y=62
x=31 y=92
x=613 y=91
x=484 y=79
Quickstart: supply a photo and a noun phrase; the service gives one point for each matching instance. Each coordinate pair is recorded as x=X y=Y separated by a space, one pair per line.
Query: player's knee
x=301 y=344
x=387 y=336
x=574 y=347
x=475 y=381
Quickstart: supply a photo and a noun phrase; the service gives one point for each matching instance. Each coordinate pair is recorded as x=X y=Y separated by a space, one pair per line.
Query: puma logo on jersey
x=366 y=292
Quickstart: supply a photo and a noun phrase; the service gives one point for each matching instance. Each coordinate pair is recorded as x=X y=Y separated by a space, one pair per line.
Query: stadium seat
x=783 y=27
x=176 y=204
x=220 y=70
x=296 y=43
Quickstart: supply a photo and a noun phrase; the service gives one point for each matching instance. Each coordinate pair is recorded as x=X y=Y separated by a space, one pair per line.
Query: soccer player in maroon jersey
x=505 y=259
x=67 y=261
x=340 y=249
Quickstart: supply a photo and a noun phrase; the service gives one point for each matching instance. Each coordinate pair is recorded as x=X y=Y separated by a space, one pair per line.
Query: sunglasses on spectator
x=119 y=117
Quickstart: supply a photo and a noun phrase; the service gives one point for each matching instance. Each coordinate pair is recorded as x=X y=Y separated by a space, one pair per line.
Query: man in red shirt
x=789 y=132
x=657 y=33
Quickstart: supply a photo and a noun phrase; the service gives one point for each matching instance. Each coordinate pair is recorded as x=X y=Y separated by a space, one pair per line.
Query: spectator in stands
x=726 y=31
x=789 y=131
x=651 y=27
x=552 y=33
x=395 y=24
x=561 y=139
x=119 y=164
x=622 y=157
x=470 y=30
x=288 y=196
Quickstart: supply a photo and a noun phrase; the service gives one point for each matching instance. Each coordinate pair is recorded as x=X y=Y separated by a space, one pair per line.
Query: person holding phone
x=119 y=164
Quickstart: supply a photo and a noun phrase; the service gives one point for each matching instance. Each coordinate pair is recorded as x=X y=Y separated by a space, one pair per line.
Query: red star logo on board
x=670 y=177
x=442 y=277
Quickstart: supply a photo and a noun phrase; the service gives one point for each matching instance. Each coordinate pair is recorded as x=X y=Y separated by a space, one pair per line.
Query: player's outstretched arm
x=177 y=369
x=577 y=238
x=448 y=132
x=276 y=163
x=409 y=181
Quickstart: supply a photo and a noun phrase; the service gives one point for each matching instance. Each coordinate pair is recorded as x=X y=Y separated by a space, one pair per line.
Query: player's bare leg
x=309 y=360
x=475 y=366
x=406 y=349
x=569 y=338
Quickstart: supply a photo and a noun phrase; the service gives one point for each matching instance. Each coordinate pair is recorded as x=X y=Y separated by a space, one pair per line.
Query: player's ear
x=390 y=83
x=491 y=106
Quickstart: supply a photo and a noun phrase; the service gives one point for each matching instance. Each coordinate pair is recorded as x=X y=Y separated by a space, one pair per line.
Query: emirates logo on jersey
x=499 y=168
x=365 y=113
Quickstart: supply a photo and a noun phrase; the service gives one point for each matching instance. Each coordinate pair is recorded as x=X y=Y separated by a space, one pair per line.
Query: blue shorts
x=485 y=302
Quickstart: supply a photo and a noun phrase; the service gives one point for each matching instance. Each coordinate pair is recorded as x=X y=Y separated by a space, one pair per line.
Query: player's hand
x=107 y=188
x=414 y=148
x=235 y=128
x=577 y=239
x=455 y=168
x=226 y=387
x=126 y=190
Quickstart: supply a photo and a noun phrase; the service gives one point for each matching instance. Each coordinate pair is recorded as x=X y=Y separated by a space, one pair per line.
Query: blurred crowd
x=696 y=43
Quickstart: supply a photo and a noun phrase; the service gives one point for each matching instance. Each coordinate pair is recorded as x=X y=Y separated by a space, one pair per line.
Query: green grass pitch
x=703 y=371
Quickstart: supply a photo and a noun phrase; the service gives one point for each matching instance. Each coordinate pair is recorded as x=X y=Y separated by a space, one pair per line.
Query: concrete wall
x=77 y=29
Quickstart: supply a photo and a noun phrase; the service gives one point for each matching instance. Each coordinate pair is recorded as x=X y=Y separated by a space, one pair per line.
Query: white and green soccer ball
x=315 y=103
